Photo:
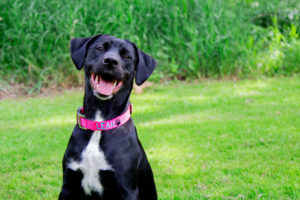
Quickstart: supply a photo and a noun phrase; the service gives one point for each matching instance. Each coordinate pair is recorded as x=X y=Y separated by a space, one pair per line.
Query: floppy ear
x=78 y=49
x=144 y=66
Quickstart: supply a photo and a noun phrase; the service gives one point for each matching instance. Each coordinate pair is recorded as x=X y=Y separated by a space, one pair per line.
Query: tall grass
x=188 y=38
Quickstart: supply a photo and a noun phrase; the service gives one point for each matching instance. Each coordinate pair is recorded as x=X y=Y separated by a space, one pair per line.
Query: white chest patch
x=93 y=160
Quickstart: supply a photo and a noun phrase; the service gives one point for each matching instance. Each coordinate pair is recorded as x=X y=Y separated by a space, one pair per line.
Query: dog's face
x=110 y=63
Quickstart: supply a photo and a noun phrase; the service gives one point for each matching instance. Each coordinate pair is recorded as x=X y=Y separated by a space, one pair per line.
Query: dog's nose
x=111 y=61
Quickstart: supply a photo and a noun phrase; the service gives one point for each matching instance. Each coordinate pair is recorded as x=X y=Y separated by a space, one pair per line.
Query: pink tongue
x=105 y=88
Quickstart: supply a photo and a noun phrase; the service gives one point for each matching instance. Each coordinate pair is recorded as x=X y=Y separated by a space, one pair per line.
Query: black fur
x=132 y=176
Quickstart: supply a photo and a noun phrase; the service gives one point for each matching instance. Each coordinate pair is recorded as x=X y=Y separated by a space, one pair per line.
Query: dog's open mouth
x=104 y=85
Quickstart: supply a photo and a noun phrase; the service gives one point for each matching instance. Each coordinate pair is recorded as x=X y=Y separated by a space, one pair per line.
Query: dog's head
x=110 y=63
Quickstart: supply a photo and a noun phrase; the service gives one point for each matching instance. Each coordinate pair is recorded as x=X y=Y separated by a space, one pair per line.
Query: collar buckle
x=79 y=116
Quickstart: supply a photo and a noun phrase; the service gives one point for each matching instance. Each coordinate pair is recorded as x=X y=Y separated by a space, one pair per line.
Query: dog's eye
x=100 y=49
x=127 y=56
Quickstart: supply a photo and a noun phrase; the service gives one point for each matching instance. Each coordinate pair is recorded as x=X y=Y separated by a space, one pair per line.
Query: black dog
x=108 y=164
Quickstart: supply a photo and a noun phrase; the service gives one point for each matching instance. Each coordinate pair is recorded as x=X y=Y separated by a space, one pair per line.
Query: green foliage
x=188 y=38
x=209 y=140
x=282 y=52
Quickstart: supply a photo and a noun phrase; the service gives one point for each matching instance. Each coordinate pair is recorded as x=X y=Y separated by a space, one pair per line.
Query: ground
x=204 y=140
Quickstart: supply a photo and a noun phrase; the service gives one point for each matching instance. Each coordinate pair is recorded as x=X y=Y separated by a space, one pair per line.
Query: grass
x=206 y=140
x=189 y=39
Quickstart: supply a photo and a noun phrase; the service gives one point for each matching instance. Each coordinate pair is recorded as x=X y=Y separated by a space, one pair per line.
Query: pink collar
x=86 y=124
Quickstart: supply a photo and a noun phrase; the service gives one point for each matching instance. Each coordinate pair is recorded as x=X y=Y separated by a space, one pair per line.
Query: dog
x=104 y=158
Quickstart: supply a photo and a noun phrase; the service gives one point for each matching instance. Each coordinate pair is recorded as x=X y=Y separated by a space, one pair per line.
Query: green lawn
x=207 y=140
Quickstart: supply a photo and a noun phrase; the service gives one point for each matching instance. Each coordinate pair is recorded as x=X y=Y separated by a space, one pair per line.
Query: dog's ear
x=145 y=65
x=78 y=49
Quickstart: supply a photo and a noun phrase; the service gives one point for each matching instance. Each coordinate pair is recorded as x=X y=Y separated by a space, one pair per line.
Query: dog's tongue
x=104 y=87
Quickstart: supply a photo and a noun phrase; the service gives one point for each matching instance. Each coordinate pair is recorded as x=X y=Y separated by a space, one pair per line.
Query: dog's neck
x=110 y=108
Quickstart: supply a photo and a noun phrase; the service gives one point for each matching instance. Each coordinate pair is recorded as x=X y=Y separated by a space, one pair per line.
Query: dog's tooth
x=93 y=76
x=115 y=83
x=98 y=80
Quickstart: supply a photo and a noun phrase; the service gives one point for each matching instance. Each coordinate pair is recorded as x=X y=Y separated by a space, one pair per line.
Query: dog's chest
x=92 y=160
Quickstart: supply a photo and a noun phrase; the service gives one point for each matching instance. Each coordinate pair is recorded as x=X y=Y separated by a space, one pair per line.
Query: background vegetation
x=189 y=39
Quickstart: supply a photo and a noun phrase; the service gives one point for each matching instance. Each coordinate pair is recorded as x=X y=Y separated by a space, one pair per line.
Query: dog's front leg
x=71 y=188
